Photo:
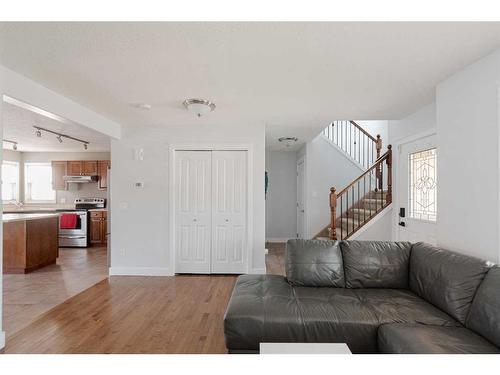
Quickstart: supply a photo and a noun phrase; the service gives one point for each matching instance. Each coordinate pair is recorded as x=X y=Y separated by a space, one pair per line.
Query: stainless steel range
x=79 y=235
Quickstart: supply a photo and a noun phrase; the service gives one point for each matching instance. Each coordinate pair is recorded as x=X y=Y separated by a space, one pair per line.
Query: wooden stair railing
x=355 y=141
x=362 y=199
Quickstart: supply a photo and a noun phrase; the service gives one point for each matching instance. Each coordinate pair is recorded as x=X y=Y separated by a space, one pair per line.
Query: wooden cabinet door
x=103 y=166
x=96 y=230
x=59 y=170
x=75 y=168
x=89 y=168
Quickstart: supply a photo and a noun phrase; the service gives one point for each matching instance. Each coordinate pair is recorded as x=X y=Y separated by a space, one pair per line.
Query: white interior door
x=193 y=218
x=418 y=190
x=229 y=197
x=301 y=209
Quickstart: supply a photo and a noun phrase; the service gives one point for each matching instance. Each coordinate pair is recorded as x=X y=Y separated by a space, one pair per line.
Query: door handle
x=302 y=211
x=226 y=220
x=195 y=219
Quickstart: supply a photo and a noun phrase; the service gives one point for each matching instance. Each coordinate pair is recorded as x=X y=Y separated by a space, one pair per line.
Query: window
x=10 y=181
x=423 y=191
x=38 y=183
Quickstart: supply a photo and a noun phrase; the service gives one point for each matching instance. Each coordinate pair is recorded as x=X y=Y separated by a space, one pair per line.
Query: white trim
x=278 y=239
x=2 y=339
x=140 y=271
x=172 y=148
x=345 y=154
x=258 y=271
x=414 y=137
x=372 y=222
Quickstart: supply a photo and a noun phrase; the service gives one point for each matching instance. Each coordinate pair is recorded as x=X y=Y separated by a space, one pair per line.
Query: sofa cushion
x=376 y=264
x=426 y=339
x=265 y=308
x=446 y=279
x=314 y=263
x=484 y=314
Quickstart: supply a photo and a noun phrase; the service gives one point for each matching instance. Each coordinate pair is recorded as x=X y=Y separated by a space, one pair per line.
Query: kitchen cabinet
x=103 y=166
x=75 y=168
x=98 y=227
x=82 y=168
x=59 y=170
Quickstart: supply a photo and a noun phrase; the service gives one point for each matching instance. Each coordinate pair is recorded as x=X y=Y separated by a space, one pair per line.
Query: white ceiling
x=18 y=126
x=293 y=77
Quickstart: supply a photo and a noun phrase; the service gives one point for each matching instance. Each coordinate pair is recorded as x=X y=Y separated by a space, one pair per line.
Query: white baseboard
x=258 y=271
x=277 y=239
x=140 y=271
x=2 y=339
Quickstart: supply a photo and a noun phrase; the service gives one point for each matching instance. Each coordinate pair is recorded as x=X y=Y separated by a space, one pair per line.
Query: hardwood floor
x=27 y=296
x=181 y=314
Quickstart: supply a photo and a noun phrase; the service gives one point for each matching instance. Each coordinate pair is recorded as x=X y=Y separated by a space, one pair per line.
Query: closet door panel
x=193 y=211
x=229 y=191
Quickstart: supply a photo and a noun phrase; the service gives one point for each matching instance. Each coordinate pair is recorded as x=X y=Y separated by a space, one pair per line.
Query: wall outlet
x=139 y=185
x=62 y=200
x=124 y=205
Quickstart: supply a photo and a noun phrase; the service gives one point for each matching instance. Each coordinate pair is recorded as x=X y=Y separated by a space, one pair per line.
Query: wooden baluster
x=380 y=183
x=389 y=175
x=333 y=214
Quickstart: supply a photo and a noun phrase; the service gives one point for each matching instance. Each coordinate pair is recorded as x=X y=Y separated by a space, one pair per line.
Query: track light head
x=85 y=146
x=14 y=146
x=59 y=138
x=38 y=133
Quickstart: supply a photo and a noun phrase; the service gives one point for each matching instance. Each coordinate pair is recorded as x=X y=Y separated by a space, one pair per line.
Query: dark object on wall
x=266 y=184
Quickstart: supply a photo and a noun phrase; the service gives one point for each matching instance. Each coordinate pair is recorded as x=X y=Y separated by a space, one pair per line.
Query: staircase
x=367 y=195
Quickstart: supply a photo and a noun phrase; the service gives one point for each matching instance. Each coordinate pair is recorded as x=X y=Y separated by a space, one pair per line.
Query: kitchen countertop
x=97 y=209
x=7 y=218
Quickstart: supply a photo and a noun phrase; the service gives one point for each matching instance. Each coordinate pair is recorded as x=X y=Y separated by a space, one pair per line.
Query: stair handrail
x=377 y=167
x=347 y=139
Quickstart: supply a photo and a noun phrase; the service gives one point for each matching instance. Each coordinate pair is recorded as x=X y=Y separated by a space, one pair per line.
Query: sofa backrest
x=376 y=264
x=446 y=279
x=484 y=314
x=314 y=263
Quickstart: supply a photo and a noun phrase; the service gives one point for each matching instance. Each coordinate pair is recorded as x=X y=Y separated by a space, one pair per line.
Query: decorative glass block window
x=423 y=190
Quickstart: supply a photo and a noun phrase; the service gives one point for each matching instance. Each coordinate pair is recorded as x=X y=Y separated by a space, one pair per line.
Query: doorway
x=301 y=198
x=417 y=188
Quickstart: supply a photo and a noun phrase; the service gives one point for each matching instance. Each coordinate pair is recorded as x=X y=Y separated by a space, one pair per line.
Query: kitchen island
x=30 y=241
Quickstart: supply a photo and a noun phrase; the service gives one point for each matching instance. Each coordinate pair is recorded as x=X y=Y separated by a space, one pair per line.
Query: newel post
x=333 y=214
x=378 y=145
x=389 y=176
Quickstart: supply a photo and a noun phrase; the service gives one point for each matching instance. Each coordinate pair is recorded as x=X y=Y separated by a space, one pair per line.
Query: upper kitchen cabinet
x=103 y=166
x=90 y=168
x=82 y=168
x=59 y=170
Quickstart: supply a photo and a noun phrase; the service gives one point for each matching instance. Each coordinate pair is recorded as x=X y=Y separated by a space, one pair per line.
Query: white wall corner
x=140 y=271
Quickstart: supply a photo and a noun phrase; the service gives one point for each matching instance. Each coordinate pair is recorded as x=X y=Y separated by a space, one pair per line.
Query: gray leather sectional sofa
x=378 y=297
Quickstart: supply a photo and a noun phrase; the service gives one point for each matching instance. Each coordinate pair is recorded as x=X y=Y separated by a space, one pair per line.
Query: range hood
x=80 y=179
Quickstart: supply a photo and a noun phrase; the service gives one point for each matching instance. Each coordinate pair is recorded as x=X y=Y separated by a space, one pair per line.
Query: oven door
x=76 y=237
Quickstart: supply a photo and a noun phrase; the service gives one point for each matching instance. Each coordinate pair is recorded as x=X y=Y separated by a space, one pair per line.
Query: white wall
x=375 y=127
x=2 y=333
x=141 y=222
x=468 y=159
x=377 y=229
x=63 y=197
x=326 y=166
x=281 y=201
x=418 y=124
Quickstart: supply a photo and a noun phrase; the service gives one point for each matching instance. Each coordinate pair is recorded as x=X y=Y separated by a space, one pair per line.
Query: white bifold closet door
x=211 y=211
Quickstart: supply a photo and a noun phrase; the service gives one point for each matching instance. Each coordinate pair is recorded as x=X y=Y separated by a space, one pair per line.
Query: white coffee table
x=303 y=348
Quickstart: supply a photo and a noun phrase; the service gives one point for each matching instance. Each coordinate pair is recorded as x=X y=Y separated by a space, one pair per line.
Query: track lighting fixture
x=14 y=144
x=60 y=136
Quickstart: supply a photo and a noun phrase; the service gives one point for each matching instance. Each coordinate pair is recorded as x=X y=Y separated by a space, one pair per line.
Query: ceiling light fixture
x=199 y=107
x=60 y=136
x=143 y=106
x=288 y=141
x=14 y=144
